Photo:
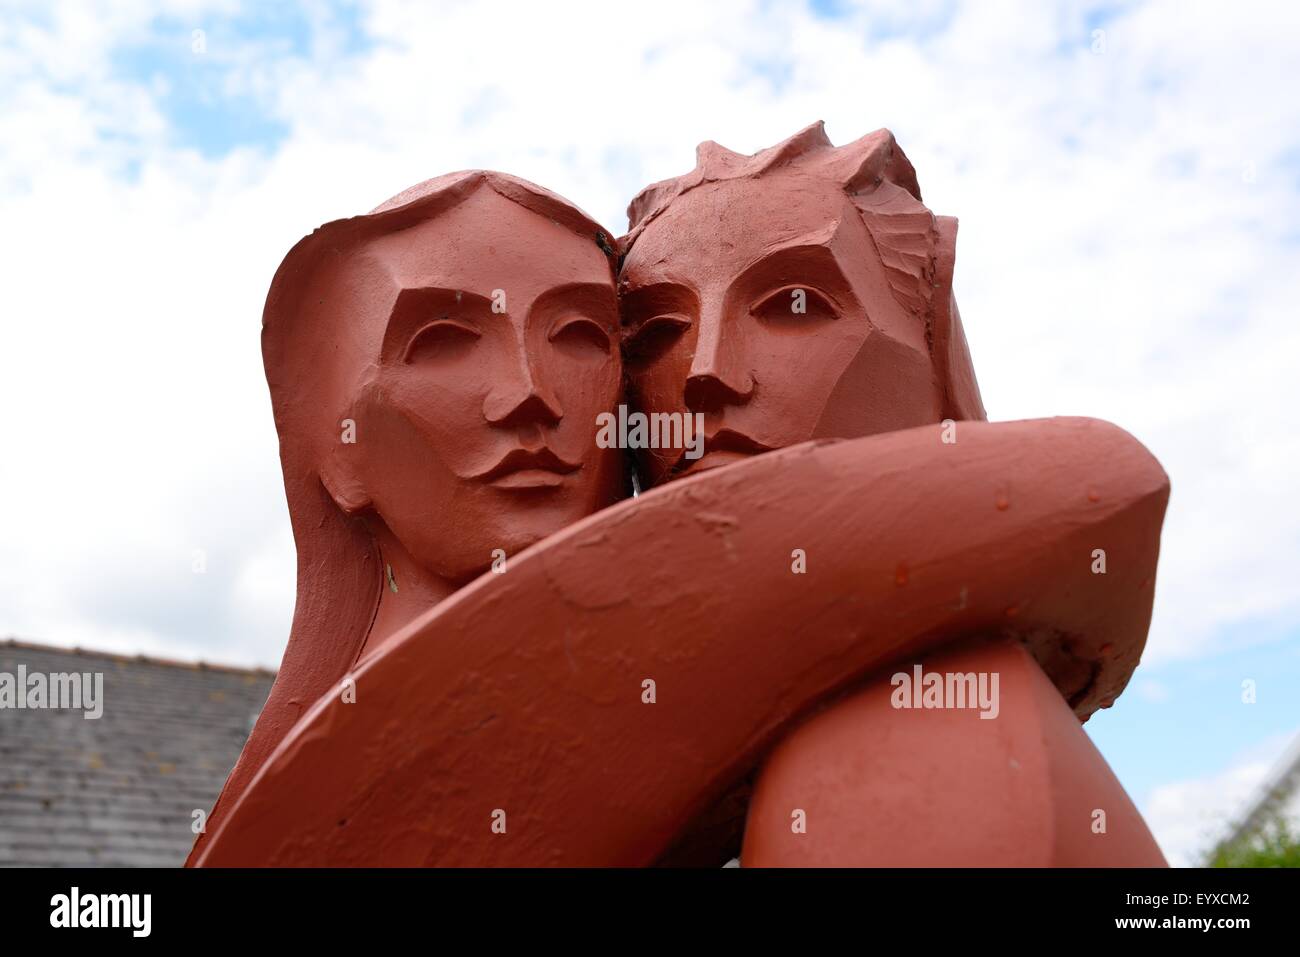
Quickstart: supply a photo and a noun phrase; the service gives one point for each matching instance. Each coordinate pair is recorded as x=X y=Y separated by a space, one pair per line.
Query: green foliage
x=1276 y=844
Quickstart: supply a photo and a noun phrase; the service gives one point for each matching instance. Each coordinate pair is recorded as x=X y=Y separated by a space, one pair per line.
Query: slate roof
x=120 y=790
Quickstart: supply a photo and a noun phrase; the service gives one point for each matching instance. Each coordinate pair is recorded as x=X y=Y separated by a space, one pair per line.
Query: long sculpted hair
x=309 y=354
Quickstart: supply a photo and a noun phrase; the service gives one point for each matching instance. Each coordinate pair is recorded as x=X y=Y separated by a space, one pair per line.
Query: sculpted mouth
x=722 y=448
x=524 y=468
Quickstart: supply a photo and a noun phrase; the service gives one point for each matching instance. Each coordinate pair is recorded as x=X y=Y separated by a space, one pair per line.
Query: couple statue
x=501 y=654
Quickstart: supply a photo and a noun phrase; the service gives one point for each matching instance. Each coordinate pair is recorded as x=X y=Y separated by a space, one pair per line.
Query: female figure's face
x=763 y=304
x=494 y=336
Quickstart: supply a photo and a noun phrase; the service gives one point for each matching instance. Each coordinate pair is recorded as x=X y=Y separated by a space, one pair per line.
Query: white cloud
x=1113 y=260
x=1153 y=691
x=1188 y=817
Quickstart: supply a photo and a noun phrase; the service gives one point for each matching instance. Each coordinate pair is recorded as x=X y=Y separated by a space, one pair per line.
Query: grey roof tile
x=119 y=791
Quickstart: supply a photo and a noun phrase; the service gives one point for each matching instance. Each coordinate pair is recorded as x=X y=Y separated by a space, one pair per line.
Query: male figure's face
x=493 y=343
x=763 y=304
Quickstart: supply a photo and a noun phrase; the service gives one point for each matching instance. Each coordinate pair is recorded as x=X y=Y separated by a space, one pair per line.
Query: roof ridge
x=200 y=665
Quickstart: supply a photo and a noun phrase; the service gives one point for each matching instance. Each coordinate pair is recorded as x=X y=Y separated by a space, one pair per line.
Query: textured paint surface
x=617 y=695
x=436 y=384
x=476 y=708
x=804 y=292
x=878 y=786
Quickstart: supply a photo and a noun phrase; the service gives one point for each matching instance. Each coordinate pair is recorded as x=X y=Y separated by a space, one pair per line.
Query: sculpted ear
x=952 y=359
x=339 y=476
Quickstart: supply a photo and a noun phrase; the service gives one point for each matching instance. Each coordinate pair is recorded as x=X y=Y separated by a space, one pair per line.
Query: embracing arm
x=522 y=702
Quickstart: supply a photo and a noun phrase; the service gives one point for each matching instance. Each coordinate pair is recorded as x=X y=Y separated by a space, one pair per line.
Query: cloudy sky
x=1127 y=178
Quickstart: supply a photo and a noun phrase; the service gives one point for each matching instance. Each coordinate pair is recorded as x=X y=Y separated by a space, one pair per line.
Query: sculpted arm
x=526 y=693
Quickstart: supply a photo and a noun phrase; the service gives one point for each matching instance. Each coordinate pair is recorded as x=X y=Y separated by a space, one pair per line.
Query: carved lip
x=529 y=468
x=721 y=448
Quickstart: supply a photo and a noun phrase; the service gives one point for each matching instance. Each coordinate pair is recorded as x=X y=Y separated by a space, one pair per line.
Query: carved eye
x=793 y=305
x=444 y=338
x=655 y=337
x=579 y=336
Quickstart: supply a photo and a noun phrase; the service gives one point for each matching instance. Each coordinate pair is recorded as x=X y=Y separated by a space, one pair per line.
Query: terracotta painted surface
x=910 y=543
x=802 y=292
x=472 y=417
x=618 y=693
x=716 y=261
x=883 y=786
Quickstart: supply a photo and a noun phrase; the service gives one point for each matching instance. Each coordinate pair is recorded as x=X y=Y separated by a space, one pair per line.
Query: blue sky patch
x=214 y=78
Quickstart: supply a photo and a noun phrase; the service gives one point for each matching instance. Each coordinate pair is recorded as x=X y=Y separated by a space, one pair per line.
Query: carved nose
x=519 y=396
x=715 y=379
x=535 y=407
x=523 y=401
x=710 y=391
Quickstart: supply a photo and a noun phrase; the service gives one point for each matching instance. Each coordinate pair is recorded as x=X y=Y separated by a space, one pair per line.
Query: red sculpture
x=802 y=618
x=428 y=426
x=800 y=293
